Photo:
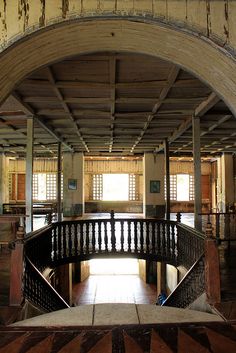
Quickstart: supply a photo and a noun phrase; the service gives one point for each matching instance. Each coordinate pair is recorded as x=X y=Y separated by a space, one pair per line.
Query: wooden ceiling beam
x=65 y=106
x=29 y=111
x=183 y=83
x=124 y=100
x=203 y=108
x=174 y=72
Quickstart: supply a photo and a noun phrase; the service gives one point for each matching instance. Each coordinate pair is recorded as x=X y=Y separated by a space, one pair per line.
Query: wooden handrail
x=71 y=241
x=39 y=291
x=190 y=287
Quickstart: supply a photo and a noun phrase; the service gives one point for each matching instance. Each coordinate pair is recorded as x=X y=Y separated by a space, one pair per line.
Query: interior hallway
x=99 y=289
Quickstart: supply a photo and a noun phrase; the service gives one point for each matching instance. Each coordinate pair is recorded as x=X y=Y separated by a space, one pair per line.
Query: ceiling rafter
x=111 y=101
x=174 y=72
x=19 y=132
x=199 y=111
x=65 y=106
x=132 y=85
x=29 y=111
x=210 y=129
x=113 y=107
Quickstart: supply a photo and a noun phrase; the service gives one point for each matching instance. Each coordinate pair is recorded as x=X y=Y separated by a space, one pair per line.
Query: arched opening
x=68 y=39
x=172 y=51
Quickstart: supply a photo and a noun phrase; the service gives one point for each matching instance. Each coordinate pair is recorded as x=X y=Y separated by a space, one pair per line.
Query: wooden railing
x=71 y=241
x=39 y=291
x=224 y=225
x=190 y=287
x=190 y=245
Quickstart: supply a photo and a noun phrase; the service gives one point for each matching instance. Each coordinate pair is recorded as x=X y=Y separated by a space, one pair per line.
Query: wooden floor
x=114 y=289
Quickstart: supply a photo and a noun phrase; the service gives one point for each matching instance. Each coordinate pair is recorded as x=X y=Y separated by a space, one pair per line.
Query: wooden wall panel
x=106 y=166
x=205 y=187
x=21 y=187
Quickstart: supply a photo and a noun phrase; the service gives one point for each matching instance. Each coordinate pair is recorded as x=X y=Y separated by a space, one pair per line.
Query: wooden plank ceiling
x=115 y=104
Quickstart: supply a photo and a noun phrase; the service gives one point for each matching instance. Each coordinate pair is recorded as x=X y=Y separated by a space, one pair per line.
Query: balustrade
x=69 y=241
x=190 y=288
x=224 y=225
x=39 y=291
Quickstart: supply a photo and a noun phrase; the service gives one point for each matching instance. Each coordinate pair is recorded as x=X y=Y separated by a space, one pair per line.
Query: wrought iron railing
x=39 y=291
x=190 y=287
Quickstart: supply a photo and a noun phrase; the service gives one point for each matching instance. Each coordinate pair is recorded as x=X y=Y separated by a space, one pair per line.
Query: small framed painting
x=72 y=184
x=155 y=186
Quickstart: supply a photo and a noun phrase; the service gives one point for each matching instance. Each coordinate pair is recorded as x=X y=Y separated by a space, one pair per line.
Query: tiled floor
x=114 y=289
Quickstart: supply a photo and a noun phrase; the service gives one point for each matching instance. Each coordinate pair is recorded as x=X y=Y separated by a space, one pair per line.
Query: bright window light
x=114 y=267
x=42 y=195
x=115 y=187
x=182 y=187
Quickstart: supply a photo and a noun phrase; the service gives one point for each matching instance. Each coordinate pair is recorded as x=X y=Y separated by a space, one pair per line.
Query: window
x=45 y=186
x=173 y=187
x=97 y=187
x=133 y=189
x=115 y=187
x=51 y=187
x=181 y=187
x=191 y=187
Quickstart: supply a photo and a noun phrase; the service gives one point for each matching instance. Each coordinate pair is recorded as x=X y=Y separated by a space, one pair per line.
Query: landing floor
x=99 y=289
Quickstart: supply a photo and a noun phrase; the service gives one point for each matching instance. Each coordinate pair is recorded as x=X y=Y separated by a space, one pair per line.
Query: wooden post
x=59 y=182
x=113 y=236
x=29 y=175
x=16 y=269
x=178 y=217
x=212 y=268
x=167 y=172
x=161 y=277
x=197 y=173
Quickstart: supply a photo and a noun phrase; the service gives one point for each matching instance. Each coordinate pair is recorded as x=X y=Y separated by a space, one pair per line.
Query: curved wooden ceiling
x=114 y=103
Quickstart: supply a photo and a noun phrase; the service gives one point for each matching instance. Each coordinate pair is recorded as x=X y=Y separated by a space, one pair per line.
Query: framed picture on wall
x=155 y=186
x=72 y=184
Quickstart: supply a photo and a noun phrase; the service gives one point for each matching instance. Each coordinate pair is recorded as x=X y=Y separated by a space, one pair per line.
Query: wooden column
x=167 y=172
x=197 y=173
x=64 y=279
x=16 y=295
x=29 y=175
x=59 y=182
x=212 y=268
x=161 y=277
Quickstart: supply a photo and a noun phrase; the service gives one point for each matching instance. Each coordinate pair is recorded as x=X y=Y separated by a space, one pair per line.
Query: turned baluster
x=113 y=236
x=99 y=236
x=136 y=236
x=81 y=238
x=93 y=236
x=122 y=235
x=105 y=236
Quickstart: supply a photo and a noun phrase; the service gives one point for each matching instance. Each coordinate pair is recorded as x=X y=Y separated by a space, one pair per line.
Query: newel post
x=17 y=268
x=113 y=236
x=178 y=217
x=212 y=267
